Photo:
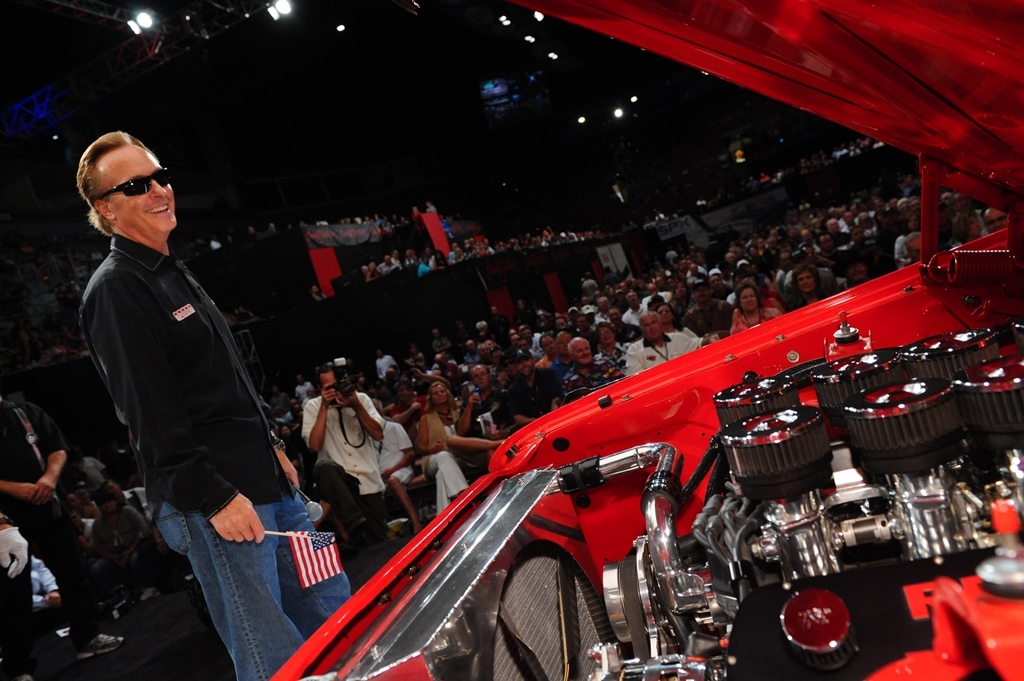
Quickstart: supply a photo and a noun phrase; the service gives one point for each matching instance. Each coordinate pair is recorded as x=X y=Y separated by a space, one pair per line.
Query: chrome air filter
x=780 y=453
x=905 y=427
x=747 y=399
x=838 y=380
x=942 y=356
x=991 y=399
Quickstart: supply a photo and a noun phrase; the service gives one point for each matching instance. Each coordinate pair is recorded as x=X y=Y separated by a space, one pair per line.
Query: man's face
x=857 y=271
x=582 y=324
x=562 y=343
x=716 y=282
x=614 y=316
x=470 y=347
x=603 y=305
x=581 y=353
x=481 y=377
x=404 y=394
x=651 y=326
x=633 y=300
x=995 y=219
x=147 y=218
x=523 y=367
x=702 y=294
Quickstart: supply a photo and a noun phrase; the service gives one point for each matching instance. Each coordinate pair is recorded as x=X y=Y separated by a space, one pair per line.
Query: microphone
x=314 y=510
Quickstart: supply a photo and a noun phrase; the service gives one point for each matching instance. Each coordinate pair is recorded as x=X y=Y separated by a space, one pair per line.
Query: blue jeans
x=252 y=590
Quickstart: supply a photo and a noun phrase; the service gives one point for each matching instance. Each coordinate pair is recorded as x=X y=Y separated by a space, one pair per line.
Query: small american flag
x=316 y=556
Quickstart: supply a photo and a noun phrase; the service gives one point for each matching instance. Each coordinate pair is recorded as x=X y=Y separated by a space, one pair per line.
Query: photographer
x=342 y=425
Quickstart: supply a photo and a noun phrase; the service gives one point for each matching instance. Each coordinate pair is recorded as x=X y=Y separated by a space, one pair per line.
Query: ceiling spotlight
x=530 y=39
x=341 y=27
x=552 y=55
x=618 y=113
x=55 y=137
x=134 y=26
x=144 y=20
x=581 y=119
x=538 y=16
x=283 y=6
x=633 y=99
x=272 y=11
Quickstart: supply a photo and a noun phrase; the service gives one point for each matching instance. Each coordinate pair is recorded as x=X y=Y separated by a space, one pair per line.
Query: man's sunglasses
x=140 y=185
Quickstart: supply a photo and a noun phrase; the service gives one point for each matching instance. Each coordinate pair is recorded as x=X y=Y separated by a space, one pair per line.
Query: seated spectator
x=808 y=286
x=125 y=548
x=483 y=397
x=470 y=356
x=609 y=348
x=535 y=392
x=908 y=249
x=45 y=594
x=564 y=358
x=708 y=315
x=624 y=333
x=81 y=501
x=586 y=371
x=658 y=347
x=438 y=431
x=750 y=310
x=966 y=228
x=667 y=317
x=549 y=350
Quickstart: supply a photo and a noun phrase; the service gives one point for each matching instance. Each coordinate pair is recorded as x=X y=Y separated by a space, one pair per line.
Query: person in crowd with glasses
x=215 y=477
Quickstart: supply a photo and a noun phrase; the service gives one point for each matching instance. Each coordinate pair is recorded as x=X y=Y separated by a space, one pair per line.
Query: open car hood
x=940 y=78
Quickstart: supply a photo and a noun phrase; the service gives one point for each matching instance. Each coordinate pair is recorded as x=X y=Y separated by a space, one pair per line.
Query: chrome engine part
x=923 y=441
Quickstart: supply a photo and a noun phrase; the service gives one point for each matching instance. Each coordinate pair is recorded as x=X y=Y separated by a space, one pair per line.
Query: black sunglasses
x=140 y=185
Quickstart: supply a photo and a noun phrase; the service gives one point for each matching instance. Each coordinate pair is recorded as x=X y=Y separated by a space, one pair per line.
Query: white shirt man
x=346 y=442
x=383 y=362
x=656 y=347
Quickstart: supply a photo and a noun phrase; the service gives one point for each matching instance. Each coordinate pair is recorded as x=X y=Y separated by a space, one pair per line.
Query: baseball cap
x=589 y=309
x=713 y=271
x=523 y=354
x=697 y=283
x=741 y=263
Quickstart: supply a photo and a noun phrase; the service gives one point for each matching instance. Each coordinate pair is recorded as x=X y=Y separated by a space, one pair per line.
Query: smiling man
x=215 y=476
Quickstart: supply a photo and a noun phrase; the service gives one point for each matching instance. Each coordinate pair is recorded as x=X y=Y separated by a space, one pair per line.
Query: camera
x=344 y=386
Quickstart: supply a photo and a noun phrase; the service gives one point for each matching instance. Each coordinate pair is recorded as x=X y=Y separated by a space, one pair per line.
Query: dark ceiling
x=268 y=97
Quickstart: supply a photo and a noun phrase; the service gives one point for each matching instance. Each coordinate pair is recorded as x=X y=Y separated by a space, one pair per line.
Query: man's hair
x=88 y=186
x=403 y=384
x=326 y=367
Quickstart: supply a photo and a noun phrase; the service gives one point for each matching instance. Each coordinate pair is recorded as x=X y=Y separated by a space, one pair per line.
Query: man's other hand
x=13 y=551
x=238 y=521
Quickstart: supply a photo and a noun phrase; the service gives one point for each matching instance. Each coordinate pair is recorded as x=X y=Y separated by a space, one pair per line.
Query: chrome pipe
x=679 y=591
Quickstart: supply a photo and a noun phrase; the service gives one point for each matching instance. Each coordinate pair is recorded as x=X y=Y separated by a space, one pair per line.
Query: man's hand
x=25 y=491
x=53 y=599
x=13 y=551
x=238 y=521
x=474 y=399
x=44 y=489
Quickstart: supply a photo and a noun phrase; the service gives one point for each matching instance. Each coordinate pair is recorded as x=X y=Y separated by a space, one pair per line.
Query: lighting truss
x=173 y=36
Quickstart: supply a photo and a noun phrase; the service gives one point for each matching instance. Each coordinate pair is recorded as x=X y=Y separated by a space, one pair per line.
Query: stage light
x=272 y=11
x=633 y=99
x=530 y=39
x=618 y=113
x=552 y=55
x=134 y=26
x=341 y=27
x=581 y=119
x=538 y=16
x=283 y=6
x=144 y=20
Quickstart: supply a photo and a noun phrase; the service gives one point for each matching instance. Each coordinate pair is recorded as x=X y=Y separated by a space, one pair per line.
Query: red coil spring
x=973 y=268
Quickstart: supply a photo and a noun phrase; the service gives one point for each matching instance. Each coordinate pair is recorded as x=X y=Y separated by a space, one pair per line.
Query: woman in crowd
x=966 y=227
x=607 y=347
x=667 y=317
x=750 y=310
x=438 y=429
x=681 y=300
x=807 y=282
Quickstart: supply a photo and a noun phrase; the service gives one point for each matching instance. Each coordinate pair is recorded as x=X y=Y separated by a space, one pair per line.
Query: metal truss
x=171 y=37
x=90 y=11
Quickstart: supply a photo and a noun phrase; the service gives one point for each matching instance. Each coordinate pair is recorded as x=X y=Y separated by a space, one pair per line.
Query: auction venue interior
x=404 y=191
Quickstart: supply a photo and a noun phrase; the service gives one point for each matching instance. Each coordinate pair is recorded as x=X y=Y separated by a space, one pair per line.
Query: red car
x=835 y=493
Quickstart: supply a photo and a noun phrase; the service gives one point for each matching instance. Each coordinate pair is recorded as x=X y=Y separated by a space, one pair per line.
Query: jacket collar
x=144 y=255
